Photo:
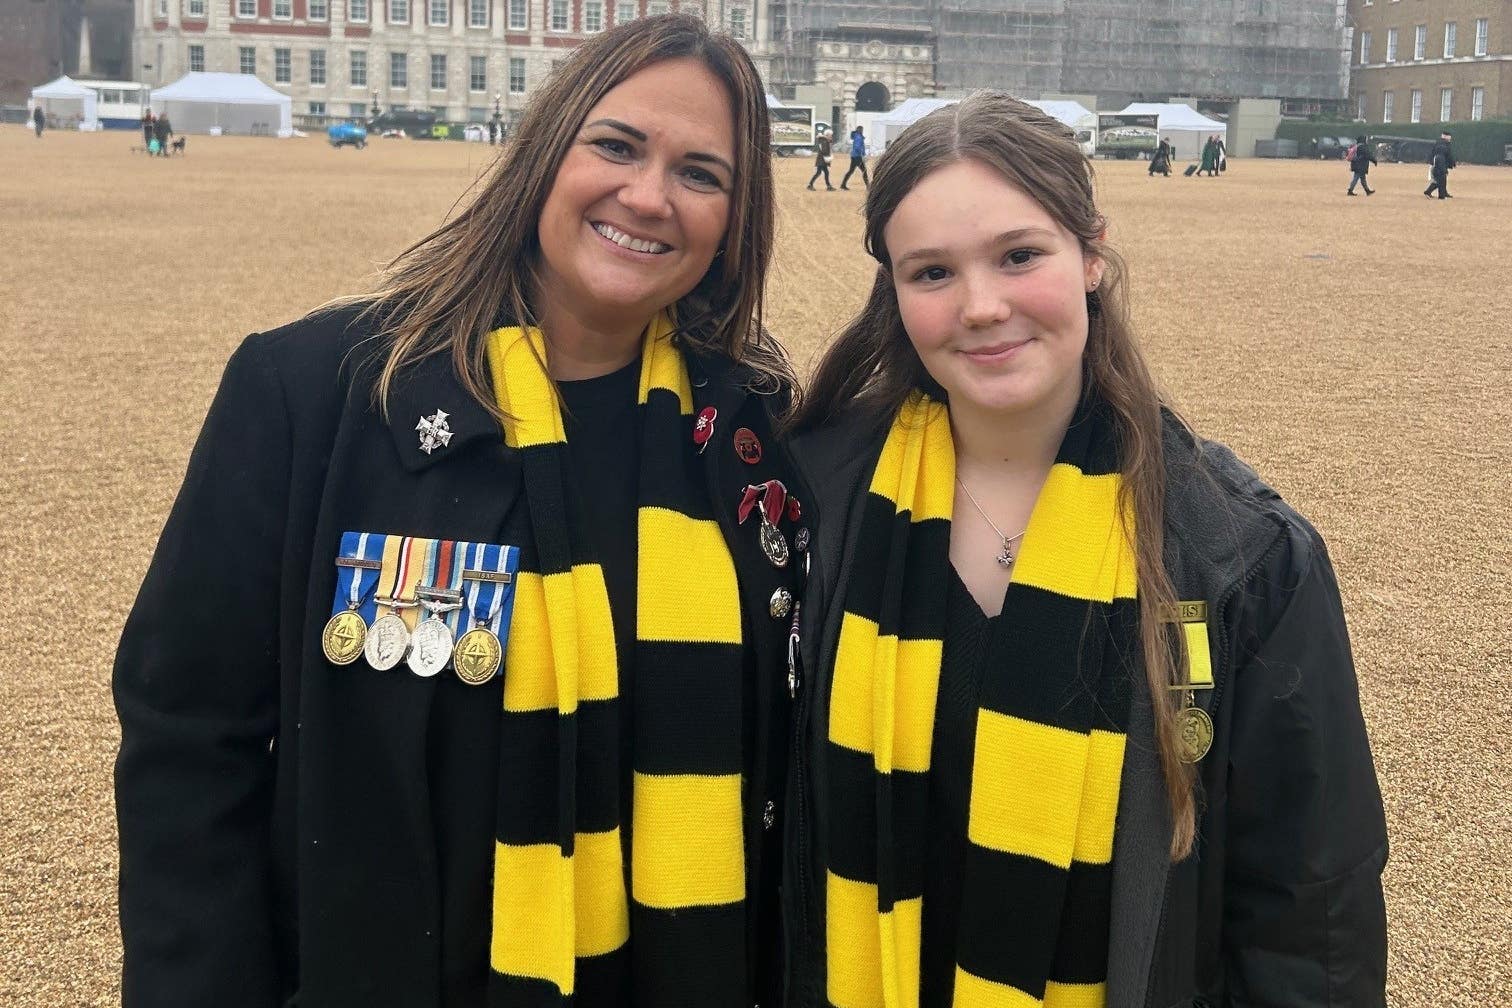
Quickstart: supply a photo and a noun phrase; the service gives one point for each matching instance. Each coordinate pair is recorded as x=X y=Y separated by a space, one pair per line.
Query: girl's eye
x=930 y=274
x=1022 y=257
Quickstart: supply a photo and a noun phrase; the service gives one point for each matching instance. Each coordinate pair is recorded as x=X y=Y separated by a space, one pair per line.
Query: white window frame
x=1391 y=45
x=317 y=108
x=434 y=7
x=1477 y=103
x=196 y=9
x=1415 y=106
x=519 y=15
x=562 y=23
x=1451 y=38
x=517 y=75
x=624 y=7
x=1364 y=47
x=1388 y=105
x=246 y=8
x=358 y=11
x=288 y=10
x=319 y=10
x=1446 y=104
x=438 y=62
x=241 y=59
x=742 y=29
x=593 y=10
x=402 y=6
x=357 y=110
x=477 y=13
x=399 y=71
x=283 y=66
x=474 y=85
x=1360 y=106
x=196 y=48
x=318 y=56
x=1419 y=41
x=1482 y=35
x=357 y=76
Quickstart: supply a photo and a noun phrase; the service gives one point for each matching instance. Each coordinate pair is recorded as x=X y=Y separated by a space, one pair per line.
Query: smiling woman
x=528 y=460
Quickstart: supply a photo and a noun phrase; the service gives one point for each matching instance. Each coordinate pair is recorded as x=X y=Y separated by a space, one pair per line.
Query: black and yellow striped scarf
x=565 y=928
x=1049 y=736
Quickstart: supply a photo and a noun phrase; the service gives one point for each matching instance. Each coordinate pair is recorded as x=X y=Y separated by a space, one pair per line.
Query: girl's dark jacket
x=294 y=833
x=1281 y=902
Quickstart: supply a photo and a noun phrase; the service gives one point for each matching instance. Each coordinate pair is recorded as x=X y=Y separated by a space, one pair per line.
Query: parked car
x=1406 y=150
x=1330 y=148
x=347 y=133
x=416 y=123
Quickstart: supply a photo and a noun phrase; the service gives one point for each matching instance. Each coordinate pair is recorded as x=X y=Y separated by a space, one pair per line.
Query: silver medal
x=774 y=544
x=387 y=642
x=430 y=647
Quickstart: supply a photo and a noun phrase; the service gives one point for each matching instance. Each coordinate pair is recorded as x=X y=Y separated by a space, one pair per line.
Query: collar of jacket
x=432 y=385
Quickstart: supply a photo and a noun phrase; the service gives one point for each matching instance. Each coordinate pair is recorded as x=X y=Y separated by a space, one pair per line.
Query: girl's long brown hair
x=871 y=367
x=444 y=293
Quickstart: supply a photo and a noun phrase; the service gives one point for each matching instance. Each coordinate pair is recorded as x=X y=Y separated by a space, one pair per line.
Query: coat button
x=781 y=603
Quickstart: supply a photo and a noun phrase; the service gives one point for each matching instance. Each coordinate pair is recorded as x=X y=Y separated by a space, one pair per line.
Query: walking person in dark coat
x=147 y=128
x=1161 y=162
x=858 y=158
x=1360 y=164
x=1443 y=160
x=1209 y=158
x=822 y=150
x=162 y=130
x=38 y=120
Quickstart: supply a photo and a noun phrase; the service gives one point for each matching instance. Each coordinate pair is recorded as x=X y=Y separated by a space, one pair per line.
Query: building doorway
x=873 y=97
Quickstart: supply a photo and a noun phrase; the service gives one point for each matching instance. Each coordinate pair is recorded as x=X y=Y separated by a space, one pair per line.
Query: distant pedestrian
x=1209 y=164
x=1161 y=162
x=1443 y=160
x=162 y=132
x=147 y=130
x=1360 y=160
x=822 y=150
x=1222 y=149
x=858 y=158
x=38 y=119
x=493 y=131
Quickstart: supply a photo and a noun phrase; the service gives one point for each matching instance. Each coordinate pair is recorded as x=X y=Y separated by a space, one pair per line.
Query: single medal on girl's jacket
x=1195 y=730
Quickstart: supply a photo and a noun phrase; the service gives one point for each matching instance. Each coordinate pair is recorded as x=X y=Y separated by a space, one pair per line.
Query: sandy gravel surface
x=1356 y=351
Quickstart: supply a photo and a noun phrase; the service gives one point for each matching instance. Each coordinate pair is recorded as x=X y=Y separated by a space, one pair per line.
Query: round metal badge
x=430 y=647
x=478 y=656
x=780 y=604
x=774 y=544
x=1196 y=730
x=387 y=642
x=343 y=637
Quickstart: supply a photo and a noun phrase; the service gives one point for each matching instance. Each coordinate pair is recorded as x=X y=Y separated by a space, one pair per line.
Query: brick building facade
x=1431 y=60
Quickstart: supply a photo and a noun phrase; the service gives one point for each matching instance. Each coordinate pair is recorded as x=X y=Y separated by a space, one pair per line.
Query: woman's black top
x=967 y=645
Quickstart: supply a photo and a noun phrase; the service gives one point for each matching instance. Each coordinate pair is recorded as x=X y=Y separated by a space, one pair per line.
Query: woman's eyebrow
x=629 y=130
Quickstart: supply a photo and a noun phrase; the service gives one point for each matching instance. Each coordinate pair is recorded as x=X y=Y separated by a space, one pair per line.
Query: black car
x=1405 y=150
x=1330 y=148
x=416 y=123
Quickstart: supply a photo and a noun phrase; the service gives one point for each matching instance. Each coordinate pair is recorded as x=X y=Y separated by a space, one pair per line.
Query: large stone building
x=1431 y=60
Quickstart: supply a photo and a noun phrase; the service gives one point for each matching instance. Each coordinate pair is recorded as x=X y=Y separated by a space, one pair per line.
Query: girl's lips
x=995 y=353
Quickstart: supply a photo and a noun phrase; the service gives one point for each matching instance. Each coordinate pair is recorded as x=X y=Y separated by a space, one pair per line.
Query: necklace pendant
x=1005 y=558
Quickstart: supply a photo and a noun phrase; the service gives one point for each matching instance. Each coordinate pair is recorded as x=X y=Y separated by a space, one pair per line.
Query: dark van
x=416 y=123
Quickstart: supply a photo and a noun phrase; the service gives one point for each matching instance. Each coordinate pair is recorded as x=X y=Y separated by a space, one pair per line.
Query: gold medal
x=343 y=637
x=478 y=656
x=1196 y=731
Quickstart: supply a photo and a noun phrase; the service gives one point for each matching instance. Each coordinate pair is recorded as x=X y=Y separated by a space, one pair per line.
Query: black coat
x=1443 y=157
x=296 y=833
x=1363 y=159
x=1281 y=903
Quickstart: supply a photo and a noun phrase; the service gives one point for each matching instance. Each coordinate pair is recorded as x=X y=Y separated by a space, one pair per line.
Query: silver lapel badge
x=434 y=433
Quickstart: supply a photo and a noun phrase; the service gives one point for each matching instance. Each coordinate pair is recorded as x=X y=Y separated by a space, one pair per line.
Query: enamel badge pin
x=434 y=433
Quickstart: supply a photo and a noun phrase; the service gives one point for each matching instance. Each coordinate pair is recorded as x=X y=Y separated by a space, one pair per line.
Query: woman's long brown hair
x=871 y=367
x=444 y=293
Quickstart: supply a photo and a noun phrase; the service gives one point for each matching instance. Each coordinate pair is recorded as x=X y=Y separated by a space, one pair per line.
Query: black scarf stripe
x=921 y=614
x=528 y=813
x=1088 y=915
x=701 y=677
x=853 y=821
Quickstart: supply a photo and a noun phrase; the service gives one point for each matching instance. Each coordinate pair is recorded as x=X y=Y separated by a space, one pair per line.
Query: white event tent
x=66 y=101
x=226 y=103
x=1182 y=126
x=887 y=127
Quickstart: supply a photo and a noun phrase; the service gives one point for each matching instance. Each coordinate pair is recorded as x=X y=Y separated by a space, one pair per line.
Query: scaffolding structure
x=1123 y=49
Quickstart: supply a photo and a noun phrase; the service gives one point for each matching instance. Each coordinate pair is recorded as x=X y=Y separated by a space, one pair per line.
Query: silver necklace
x=1005 y=558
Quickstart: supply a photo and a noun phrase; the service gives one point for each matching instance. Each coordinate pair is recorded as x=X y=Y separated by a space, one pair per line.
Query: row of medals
x=425 y=650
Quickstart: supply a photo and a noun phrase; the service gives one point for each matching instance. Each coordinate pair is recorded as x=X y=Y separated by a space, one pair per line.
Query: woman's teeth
x=634 y=244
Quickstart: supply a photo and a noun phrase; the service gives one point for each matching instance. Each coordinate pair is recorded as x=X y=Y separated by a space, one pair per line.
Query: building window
x=1477 y=103
x=1360 y=106
x=246 y=8
x=1391 y=45
x=1388 y=106
x=357 y=110
x=196 y=8
x=438 y=72
x=357 y=10
x=1482 y=35
x=1417 y=105
x=196 y=59
x=398 y=70
x=247 y=59
x=1364 y=47
x=516 y=75
x=1420 y=42
x=1446 y=104
x=559 y=16
x=162 y=8
x=359 y=68
x=398 y=12
x=738 y=22
x=319 y=10
x=317 y=67
x=477 y=115
x=281 y=72
x=317 y=108
x=440 y=12
x=625 y=13
x=477 y=75
x=477 y=14
x=519 y=15
x=593 y=16
x=283 y=10
x=1451 y=40
x=656 y=7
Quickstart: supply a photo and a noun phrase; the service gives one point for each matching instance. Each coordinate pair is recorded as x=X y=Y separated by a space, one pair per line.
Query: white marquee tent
x=65 y=101
x=227 y=102
x=1183 y=126
x=887 y=127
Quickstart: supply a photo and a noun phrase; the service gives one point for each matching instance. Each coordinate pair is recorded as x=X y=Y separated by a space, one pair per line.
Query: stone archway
x=873 y=97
